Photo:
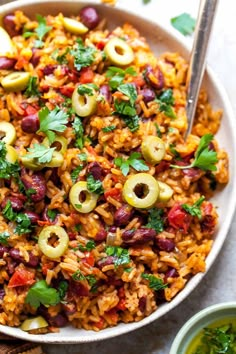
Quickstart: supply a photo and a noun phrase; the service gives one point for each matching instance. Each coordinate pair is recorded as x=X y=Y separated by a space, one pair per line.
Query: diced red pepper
x=113 y=315
x=86 y=75
x=179 y=218
x=89 y=259
x=100 y=45
x=21 y=277
x=100 y=323
x=114 y=193
x=121 y=305
x=66 y=90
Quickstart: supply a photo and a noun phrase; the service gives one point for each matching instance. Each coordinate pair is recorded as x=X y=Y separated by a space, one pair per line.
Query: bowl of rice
x=108 y=218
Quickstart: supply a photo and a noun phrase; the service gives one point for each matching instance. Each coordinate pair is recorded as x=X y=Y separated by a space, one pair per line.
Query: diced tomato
x=100 y=45
x=114 y=193
x=46 y=267
x=66 y=90
x=89 y=259
x=21 y=277
x=207 y=208
x=179 y=218
x=121 y=305
x=138 y=81
x=121 y=292
x=100 y=323
x=113 y=315
x=162 y=166
x=44 y=223
x=28 y=109
x=86 y=75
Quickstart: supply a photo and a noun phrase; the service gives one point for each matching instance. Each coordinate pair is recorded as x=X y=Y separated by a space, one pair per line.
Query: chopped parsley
x=82 y=156
x=62 y=289
x=78 y=276
x=40 y=31
x=205 y=159
x=166 y=101
x=94 y=186
x=121 y=255
x=154 y=282
x=4 y=236
x=159 y=134
x=195 y=209
x=40 y=153
x=133 y=161
x=83 y=56
x=75 y=173
x=108 y=129
x=32 y=87
x=174 y=152
x=155 y=220
x=116 y=75
x=184 y=23
x=79 y=133
x=52 y=214
x=51 y=121
x=90 y=245
x=7 y=169
x=62 y=58
x=23 y=222
x=42 y=293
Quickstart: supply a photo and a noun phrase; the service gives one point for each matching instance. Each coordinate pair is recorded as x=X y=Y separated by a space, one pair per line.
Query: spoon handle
x=197 y=63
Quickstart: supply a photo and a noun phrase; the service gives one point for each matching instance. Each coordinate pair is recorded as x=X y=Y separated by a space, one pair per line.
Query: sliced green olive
x=6 y=46
x=153 y=149
x=33 y=323
x=16 y=82
x=84 y=105
x=56 y=161
x=81 y=198
x=30 y=163
x=166 y=192
x=74 y=26
x=141 y=190
x=62 y=241
x=7 y=133
x=119 y=52
x=11 y=155
x=60 y=143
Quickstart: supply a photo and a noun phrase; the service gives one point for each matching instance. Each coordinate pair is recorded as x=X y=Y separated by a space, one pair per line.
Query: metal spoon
x=207 y=10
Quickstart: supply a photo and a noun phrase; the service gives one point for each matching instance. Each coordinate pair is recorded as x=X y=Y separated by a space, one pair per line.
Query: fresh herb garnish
x=82 y=156
x=75 y=173
x=130 y=91
x=155 y=220
x=159 y=134
x=83 y=56
x=133 y=161
x=108 y=129
x=7 y=169
x=62 y=58
x=205 y=159
x=166 y=101
x=154 y=282
x=40 y=153
x=42 y=293
x=121 y=255
x=78 y=276
x=79 y=132
x=94 y=185
x=51 y=121
x=40 y=31
x=194 y=209
x=90 y=245
x=85 y=90
x=52 y=214
x=32 y=87
x=62 y=289
x=174 y=152
x=184 y=23
x=23 y=222
x=116 y=75
x=4 y=236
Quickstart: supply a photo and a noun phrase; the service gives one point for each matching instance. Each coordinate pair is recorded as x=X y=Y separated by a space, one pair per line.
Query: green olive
x=7 y=133
x=62 y=242
x=84 y=105
x=33 y=323
x=11 y=155
x=56 y=161
x=30 y=163
x=153 y=149
x=74 y=26
x=60 y=143
x=141 y=190
x=81 y=198
x=16 y=82
x=6 y=46
x=166 y=192
x=119 y=52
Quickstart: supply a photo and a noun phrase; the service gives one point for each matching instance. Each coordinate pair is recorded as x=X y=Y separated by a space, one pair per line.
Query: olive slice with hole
x=119 y=52
x=60 y=144
x=74 y=26
x=81 y=198
x=11 y=155
x=56 y=161
x=166 y=192
x=33 y=323
x=30 y=163
x=153 y=149
x=84 y=105
x=7 y=133
x=16 y=82
x=61 y=241
x=6 y=46
x=141 y=190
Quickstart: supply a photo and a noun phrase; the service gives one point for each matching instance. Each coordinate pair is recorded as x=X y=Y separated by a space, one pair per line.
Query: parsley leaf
x=83 y=56
x=7 y=169
x=174 y=152
x=133 y=161
x=78 y=276
x=79 y=132
x=51 y=121
x=52 y=214
x=4 y=236
x=32 y=87
x=62 y=289
x=205 y=159
x=62 y=58
x=90 y=245
x=194 y=209
x=40 y=31
x=130 y=91
x=154 y=282
x=166 y=101
x=23 y=222
x=117 y=75
x=109 y=128
x=184 y=23
x=40 y=153
x=121 y=255
x=94 y=186
x=42 y=293
x=75 y=173
x=155 y=220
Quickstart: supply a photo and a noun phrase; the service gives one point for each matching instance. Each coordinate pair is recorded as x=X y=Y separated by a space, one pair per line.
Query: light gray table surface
x=219 y=284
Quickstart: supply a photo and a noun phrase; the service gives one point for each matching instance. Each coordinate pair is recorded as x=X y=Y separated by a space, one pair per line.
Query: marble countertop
x=219 y=284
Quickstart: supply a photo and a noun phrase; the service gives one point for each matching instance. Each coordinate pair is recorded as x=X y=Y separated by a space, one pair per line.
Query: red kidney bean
x=148 y=95
x=30 y=124
x=37 y=182
x=193 y=173
x=123 y=215
x=3 y=249
x=154 y=77
x=11 y=266
x=95 y=169
x=165 y=244
x=208 y=224
x=112 y=229
x=139 y=236
x=111 y=280
x=35 y=57
x=34 y=218
x=15 y=254
x=2 y=293
x=142 y=303
x=16 y=203
x=89 y=17
x=162 y=166
x=58 y=321
x=49 y=69
x=106 y=92
x=101 y=235
x=105 y=261
x=69 y=309
x=6 y=63
x=33 y=261
x=171 y=273
x=45 y=216
x=10 y=26
x=78 y=289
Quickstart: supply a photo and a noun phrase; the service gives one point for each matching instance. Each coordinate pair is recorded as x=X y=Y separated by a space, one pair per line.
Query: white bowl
x=160 y=41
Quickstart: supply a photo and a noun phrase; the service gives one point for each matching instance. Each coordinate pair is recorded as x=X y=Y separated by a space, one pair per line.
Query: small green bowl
x=202 y=319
